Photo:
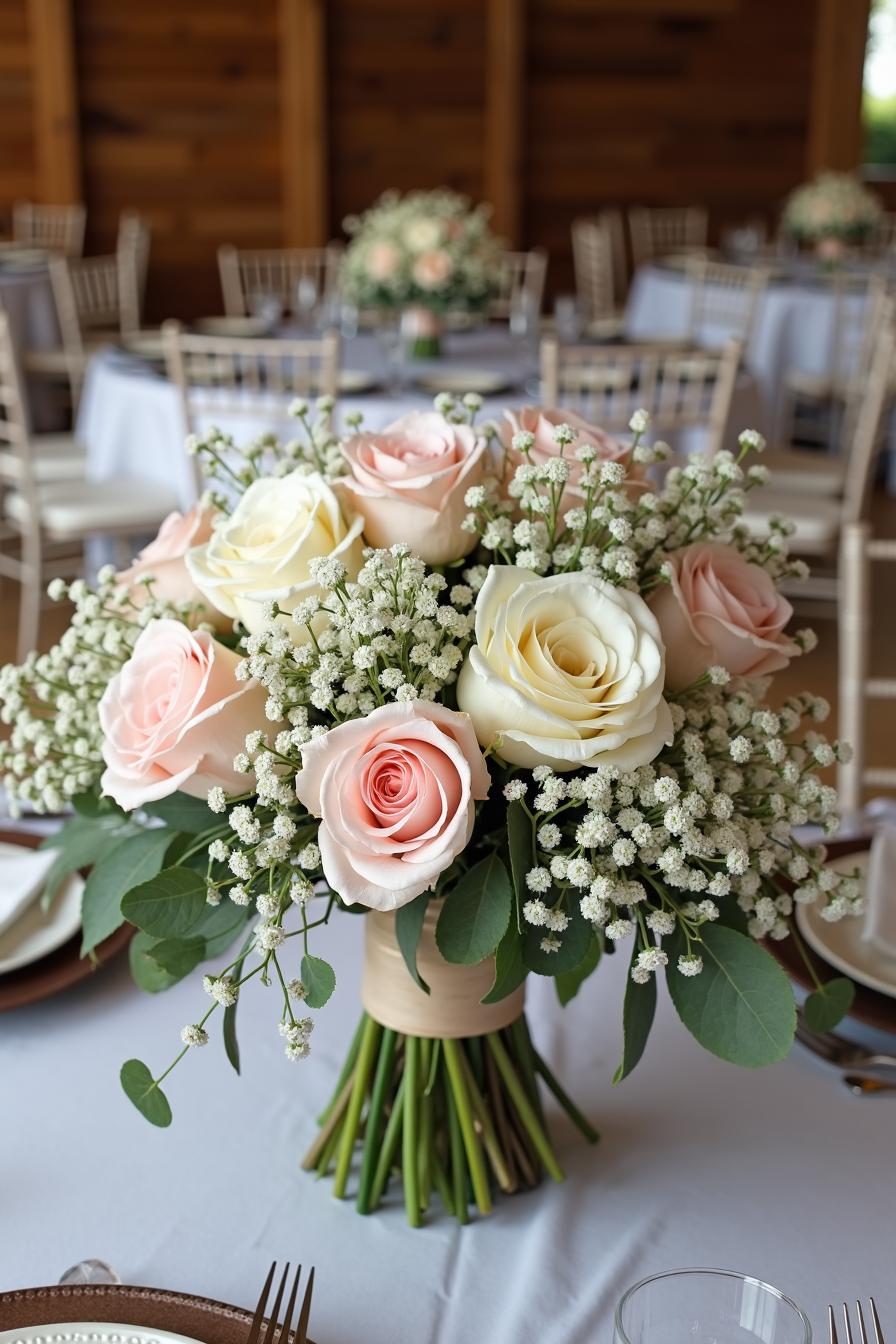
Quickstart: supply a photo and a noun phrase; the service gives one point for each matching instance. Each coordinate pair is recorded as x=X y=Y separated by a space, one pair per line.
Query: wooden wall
x=264 y=121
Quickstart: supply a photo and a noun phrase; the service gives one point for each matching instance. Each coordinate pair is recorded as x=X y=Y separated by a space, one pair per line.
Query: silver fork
x=275 y=1333
x=863 y=1337
x=837 y=1050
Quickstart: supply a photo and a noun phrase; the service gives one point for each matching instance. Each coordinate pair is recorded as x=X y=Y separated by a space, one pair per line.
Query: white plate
x=353 y=381
x=841 y=944
x=460 y=381
x=91 y=1332
x=145 y=343
x=37 y=933
x=232 y=326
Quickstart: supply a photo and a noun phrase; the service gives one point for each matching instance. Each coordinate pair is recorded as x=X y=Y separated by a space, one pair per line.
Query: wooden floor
x=816 y=671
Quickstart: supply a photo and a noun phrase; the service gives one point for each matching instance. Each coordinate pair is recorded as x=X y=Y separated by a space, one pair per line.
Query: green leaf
x=519 y=847
x=146 y=973
x=228 y=1031
x=220 y=925
x=93 y=804
x=741 y=1005
x=408 y=924
x=568 y=983
x=125 y=865
x=319 y=980
x=638 y=1008
x=829 y=1005
x=169 y=905
x=575 y=945
x=186 y=814
x=476 y=913
x=177 y=957
x=145 y=1093
x=509 y=969
x=81 y=842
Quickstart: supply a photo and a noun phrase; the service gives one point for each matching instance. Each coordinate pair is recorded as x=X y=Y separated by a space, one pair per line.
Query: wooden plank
x=503 y=115
x=56 y=120
x=835 y=122
x=303 y=122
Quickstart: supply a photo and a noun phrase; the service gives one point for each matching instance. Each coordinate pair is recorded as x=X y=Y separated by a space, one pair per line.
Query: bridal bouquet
x=832 y=209
x=428 y=252
x=491 y=688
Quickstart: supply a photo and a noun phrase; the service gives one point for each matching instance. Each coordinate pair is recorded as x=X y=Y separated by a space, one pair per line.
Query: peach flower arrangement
x=501 y=689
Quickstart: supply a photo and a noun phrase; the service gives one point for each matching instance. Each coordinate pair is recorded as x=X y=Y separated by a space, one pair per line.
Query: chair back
x=865 y=420
x=284 y=274
x=606 y=384
x=521 y=277
x=657 y=231
x=15 y=435
x=593 y=256
x=725 y=299
x=132 y=255
x=58 y=228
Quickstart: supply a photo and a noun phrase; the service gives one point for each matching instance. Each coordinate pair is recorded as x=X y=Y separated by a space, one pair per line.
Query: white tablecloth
x=131 y=423
x=27 y=299
x=793 y=328
x=778 y=1172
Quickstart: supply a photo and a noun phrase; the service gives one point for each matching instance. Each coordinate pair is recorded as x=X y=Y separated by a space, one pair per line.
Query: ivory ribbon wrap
x=452 y=1009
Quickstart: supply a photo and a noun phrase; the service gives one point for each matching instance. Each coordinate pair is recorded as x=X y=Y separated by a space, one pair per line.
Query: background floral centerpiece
x=539 y=736
x=830 y=213
x=425 y=254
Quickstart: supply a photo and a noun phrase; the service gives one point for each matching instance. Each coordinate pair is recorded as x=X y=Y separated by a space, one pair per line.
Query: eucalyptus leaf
x=228 y=1031
x=146 y=973
x=476 y=913
x=638 y=1008
x=145 y=1093
x=741 y=1005
x=408 y=925
x=575 y=945
x=519 y=847
x=93 y=804
x=568 y=983
x=177 y=957
x=125 y=865
x=509 y=969
x=319 y=980
x=220 y=926
x=829 y=1005
x=183 y=813
x=81 y=842
x=169 y=905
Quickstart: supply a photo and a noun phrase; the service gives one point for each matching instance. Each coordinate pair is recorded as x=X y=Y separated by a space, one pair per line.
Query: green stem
x=426 y=1126
x=336 y=1111
x=489 y=1137
x=381 y=1085
x=440 y=1178
x=347 y=1068
x=390 y=1143
x=524 y=1107
x=366 y=1054
x=472 y=1146
x=522 y=1041
x=569 y=1106
x=458 y=1164
x=409 y=1130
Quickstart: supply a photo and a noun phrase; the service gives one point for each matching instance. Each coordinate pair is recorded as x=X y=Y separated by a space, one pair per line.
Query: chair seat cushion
x=78 y=508
x=54 y=457
x=804 y=472
x=817 y=519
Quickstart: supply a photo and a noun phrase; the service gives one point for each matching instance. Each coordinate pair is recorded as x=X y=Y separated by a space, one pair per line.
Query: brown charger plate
x=876 y=1010
x=60 y=969
x=182 y=1313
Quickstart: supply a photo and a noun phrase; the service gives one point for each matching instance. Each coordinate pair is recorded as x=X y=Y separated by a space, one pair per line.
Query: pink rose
x=396 y=794
x=720 y=609
x=382 y=262
x=175 y=716
x=164 y=559
x=408 y=484
x=542 y=421
x=432 y=269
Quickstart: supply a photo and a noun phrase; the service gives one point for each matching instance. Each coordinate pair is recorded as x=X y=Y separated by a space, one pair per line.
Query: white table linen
x=777 y=1172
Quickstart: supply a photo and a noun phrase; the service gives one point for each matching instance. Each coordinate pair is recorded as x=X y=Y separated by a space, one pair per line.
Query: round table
x=778 y=1172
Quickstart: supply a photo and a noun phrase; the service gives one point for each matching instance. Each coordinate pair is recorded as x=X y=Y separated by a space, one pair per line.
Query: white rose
x=566 y=671
x=260 y=552
x=422 y=234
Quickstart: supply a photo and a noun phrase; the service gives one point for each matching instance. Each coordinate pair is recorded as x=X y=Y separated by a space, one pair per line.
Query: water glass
x=306 y=299
x=567 y=318
x=90 y=1271
x=266 y=307
x=708 y=1306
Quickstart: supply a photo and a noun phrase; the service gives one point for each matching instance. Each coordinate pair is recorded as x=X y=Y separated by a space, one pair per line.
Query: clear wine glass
x=90 y=1271
x=567 y=318
x=708 y=1306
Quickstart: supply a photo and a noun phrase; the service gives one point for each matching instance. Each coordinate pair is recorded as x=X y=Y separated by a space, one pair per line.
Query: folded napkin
x=22 y=875
x=880 y=896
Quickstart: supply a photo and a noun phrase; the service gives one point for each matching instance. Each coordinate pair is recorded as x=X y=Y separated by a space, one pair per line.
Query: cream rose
x=260 y=552
x=408 y=484
x=165 y=559
x=395 y=793
x=720 y=609
x=566 y=671
x=175 y=716
x=541 y=422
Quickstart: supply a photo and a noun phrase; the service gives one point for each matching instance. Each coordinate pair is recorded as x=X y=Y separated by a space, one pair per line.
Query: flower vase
x=439 y=1090
x=421 y=331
